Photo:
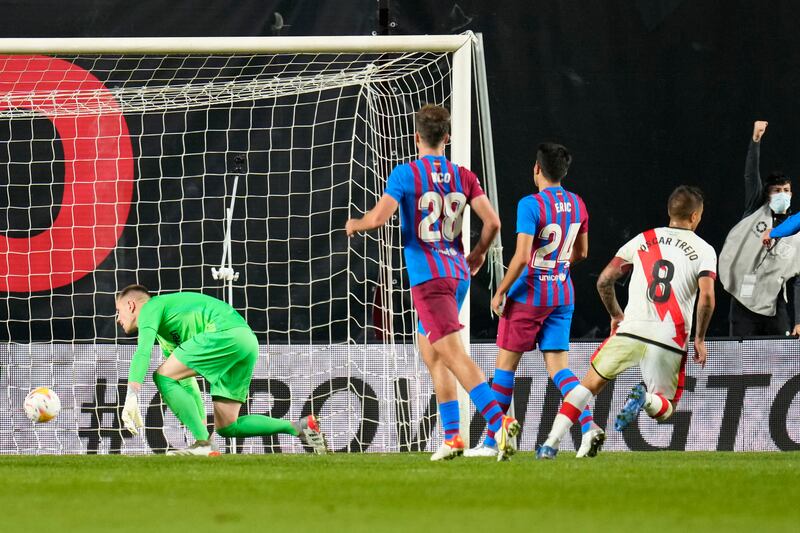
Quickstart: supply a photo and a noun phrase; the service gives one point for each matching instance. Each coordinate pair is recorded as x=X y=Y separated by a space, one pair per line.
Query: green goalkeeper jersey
x=172 y=319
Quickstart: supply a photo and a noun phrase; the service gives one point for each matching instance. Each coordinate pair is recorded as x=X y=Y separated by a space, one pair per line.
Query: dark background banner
x=646 y=94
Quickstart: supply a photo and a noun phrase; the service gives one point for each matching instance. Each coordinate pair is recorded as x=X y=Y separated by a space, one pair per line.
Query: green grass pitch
x=643 y=492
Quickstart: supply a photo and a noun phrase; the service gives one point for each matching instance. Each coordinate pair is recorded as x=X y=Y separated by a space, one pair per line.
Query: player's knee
x=157 y=374
x=227 y=432
x=159 y=380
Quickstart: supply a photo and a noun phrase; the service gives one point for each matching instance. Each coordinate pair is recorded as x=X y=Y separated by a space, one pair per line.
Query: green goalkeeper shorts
x=226 y=360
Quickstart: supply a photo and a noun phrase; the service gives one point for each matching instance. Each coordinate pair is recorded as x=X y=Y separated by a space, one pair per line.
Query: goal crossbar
x=223 y=45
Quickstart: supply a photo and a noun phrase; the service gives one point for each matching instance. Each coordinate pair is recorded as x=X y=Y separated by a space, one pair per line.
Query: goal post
x=121 y=159
x=461 y=149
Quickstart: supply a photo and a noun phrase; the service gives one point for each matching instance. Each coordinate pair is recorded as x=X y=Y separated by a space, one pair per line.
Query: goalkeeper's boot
x=630 y=410
x=204 y=448
x=546 y=452
x=311 y=435
x=591 y=442
x=481 y=450
x=449 y=449
x=509 y=428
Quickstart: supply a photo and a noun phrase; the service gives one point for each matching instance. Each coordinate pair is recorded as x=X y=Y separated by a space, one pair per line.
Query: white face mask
x=779 y=202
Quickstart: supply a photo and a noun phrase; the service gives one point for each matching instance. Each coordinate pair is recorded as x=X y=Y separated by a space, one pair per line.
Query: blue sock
x=585 y=420
x=487 y=406
x=502 y=388
x=450 y=418
x=566 y=380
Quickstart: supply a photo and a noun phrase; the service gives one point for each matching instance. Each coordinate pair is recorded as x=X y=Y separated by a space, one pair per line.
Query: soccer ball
x=42 y=405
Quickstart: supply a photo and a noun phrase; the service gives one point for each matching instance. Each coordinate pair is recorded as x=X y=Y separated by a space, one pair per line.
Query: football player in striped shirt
x=552 y=234
x=432 y=193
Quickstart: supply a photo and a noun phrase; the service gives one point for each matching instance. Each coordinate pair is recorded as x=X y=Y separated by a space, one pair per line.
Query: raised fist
x=759 y=127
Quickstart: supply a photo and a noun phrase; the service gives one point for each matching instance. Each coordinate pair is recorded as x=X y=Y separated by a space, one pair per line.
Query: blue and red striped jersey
x=432 y=193
x=554 y=217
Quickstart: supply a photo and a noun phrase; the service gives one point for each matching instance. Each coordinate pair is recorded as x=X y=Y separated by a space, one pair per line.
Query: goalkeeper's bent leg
x=181 y=402
x=257 y=426
x=191 y=386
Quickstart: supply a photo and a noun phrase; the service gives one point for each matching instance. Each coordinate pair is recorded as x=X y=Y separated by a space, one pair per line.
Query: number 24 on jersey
x=554 y=234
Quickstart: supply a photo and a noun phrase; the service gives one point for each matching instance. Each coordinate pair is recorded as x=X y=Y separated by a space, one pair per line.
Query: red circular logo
x=98 y=173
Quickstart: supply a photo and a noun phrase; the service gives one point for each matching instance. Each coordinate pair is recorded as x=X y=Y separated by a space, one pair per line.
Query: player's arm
x=147 y=322
x=705 y=308
x=787 y=228
x=140 y=361
x=613 y=271
x=515 y=268
x=131 y=414
x=491 y=227
x=580 y=250
x=752 y=176
x=375 y=217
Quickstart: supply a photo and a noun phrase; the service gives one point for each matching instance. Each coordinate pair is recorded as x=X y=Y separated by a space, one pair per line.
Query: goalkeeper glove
x=131 y=417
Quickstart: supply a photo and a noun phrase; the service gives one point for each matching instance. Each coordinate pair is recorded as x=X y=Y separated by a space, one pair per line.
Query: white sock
x=658 y=407
x=561 y=425
x=574 y=403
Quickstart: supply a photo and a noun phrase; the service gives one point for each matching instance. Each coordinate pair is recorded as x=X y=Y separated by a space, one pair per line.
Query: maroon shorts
x=436 y=303
x=524 y=326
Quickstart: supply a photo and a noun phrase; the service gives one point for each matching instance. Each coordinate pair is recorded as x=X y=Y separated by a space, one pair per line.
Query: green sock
x=190 y=385
x=257 y=425
x=183 y=404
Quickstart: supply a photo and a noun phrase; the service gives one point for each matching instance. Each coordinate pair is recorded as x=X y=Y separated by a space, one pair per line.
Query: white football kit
x=667 y=264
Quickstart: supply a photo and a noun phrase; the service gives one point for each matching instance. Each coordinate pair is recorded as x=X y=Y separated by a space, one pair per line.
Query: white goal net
x=119 y=166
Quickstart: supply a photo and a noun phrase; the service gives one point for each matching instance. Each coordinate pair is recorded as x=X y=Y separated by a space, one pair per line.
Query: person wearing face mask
x=756 y=276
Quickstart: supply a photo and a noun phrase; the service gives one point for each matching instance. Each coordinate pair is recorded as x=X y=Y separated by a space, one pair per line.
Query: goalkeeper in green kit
x=199 y=335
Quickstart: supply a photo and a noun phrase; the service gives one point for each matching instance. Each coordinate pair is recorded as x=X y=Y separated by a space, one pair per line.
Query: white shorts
x=663 y=370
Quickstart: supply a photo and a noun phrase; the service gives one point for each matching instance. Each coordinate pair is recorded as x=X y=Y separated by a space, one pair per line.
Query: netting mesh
x=119 y=170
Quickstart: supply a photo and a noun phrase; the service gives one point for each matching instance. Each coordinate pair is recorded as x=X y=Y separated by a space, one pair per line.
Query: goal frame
x=465 y=48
